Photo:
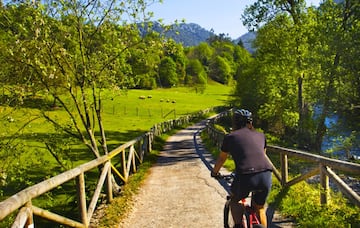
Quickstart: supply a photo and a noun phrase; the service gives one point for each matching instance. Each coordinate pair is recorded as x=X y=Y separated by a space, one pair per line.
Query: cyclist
x=252 y=168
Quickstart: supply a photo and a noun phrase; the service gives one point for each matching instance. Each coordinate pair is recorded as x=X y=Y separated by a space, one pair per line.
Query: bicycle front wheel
x=228 y=219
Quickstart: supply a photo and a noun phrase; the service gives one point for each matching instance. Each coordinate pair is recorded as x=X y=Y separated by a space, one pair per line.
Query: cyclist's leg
x=264 y=182
x=260 y=211
x=240 y=190
x=237 y=211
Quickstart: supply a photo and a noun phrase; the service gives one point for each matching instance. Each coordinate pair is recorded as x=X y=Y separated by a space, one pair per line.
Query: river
x=337 y=135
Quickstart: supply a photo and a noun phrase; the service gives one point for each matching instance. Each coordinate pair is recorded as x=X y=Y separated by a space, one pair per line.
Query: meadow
x=126 y=115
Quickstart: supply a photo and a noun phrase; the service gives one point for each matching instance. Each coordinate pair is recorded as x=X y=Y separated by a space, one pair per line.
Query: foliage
x=203 y=52
x=141 y=67
x=220 y=57
x=167 y=73
x=338 y=211
x=195 y=74
x=344 y=143
x=220 y=70
x=176 y=53
x=297 y=77
x=77 y=50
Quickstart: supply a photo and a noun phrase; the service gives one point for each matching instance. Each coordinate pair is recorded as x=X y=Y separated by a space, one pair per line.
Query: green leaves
x=303 y=59
x=167 y=72
x=75 y=49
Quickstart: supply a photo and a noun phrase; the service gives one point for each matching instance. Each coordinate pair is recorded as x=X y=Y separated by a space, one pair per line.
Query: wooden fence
x=130 y=154
x=323 y=166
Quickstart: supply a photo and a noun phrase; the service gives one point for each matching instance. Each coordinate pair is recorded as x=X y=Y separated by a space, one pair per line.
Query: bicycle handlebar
x=228 y=177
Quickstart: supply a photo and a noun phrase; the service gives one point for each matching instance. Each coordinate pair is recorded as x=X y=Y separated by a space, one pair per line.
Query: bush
x=302 y=202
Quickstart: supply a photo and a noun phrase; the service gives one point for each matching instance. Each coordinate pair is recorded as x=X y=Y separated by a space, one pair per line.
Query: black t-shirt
x=246 y=147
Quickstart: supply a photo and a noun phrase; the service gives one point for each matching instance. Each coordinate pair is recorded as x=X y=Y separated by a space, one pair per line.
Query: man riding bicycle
x=252 y=168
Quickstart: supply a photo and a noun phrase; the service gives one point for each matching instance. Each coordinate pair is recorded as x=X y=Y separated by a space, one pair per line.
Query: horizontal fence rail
x=324 y=166
x=130 y=154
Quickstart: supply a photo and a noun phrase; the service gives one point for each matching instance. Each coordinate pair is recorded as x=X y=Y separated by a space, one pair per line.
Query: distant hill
x=247 y=40
x=191 y=34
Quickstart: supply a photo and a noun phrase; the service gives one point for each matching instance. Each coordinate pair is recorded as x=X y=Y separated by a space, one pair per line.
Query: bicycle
x=250 y=218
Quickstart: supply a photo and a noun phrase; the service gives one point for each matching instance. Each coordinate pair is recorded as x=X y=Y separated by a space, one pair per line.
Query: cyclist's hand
x=215 y=175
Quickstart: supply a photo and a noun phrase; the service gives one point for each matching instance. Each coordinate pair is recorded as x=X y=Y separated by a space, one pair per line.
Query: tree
x=73 y=50
x=293 y=14
x=167 y=72
x=220 y=70
x=195 y=75
x=203 y=52
x=336 y=49
x=143 y=61
x=176 y=53
x=307 y=53
x=242 y=59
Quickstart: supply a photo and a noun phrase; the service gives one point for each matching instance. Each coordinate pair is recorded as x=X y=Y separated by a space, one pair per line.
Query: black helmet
x=241 y=117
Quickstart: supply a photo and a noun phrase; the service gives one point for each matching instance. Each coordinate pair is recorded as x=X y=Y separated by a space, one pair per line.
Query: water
x=334 y=143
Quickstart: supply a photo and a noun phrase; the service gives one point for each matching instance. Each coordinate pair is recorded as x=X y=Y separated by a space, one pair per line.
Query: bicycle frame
x=251 y=214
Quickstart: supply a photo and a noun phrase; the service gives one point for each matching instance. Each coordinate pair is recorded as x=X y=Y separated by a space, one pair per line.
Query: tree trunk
x=321 y=128
x=301 y=131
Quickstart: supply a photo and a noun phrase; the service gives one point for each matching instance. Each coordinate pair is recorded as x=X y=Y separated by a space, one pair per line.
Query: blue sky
x=221 y=15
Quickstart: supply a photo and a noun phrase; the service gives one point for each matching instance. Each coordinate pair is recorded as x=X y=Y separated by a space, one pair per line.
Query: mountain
x=191 y=34
x=247 y=40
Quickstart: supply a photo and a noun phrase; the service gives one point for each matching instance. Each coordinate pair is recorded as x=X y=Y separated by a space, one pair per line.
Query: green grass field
x=125 y=117
x=126 y=112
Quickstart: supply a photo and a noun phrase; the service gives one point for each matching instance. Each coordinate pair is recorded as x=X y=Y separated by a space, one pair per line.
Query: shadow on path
x=207 y=159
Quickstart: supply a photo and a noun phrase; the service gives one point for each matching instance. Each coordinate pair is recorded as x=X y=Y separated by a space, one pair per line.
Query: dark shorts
x=258 y=183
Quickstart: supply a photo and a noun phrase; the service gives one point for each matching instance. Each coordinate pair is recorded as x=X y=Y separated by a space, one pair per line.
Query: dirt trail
x=179 y=191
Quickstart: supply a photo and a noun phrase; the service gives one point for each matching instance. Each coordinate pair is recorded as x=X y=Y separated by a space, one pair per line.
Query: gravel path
x=179 y=191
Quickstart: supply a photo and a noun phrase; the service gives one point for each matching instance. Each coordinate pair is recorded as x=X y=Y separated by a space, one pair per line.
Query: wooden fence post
x=30 y=219
x=25 y=217
x=123 y=165
x=149 y=142
x=109 y=185
x=80 y=184
x=284 y=169
x=324 y=185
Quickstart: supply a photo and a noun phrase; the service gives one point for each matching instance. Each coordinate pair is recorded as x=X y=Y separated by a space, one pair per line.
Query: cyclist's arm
x=219 y=162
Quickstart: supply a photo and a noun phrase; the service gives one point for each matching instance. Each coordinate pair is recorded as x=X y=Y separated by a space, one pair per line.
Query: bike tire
x=228 y=219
